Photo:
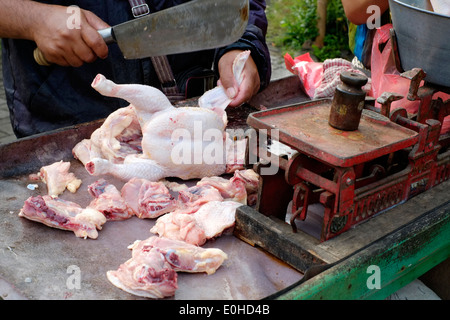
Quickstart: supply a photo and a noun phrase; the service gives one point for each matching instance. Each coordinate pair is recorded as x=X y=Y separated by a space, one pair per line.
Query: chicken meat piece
x=85 y=151
x=208 y=222
x=191 y=199
x=231 y=189
x=148 y=199
x=65 y=215
x=134 y=166
x=120 y=135
x=146 y=275
x=237 y=188
x=181 y=226
x=183 y=257
x=108 y=200
x=57 y=178
x=236 y=153
x=251 y=181
x=216 y=216
x=152 y=270
x=185 y=142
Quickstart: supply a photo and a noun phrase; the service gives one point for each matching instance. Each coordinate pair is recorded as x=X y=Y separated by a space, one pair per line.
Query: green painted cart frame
x=371 y=261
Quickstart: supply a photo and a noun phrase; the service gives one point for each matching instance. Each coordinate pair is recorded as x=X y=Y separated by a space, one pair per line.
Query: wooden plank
x=299 y=250
x=395 y=260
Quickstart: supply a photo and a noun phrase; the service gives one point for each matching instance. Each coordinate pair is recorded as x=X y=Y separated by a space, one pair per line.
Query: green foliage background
x=293 y=28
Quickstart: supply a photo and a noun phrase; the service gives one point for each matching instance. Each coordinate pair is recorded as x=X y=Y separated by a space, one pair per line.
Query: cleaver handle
x=107 y=35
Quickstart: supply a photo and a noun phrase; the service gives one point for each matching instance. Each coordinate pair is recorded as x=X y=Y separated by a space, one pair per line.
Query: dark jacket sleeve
x=253 y=39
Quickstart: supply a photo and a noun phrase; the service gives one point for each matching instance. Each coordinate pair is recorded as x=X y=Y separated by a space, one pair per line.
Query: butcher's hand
x=70 y=45
x=250 y=82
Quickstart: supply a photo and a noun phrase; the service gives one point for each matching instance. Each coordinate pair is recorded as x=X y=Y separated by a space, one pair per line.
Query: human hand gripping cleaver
x=192 y=26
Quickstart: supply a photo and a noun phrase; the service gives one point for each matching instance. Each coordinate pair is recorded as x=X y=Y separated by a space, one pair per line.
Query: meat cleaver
x=192 y=26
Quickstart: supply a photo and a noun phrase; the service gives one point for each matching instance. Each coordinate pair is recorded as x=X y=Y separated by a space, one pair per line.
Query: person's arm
x=17 y=18
x=257 y=70
x=356 y=10
x=47 y=25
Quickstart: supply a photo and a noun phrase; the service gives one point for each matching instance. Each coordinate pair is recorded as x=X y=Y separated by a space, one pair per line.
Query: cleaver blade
x=192 y=26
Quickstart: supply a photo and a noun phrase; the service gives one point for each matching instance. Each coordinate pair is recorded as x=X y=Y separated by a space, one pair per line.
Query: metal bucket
x=423 y=39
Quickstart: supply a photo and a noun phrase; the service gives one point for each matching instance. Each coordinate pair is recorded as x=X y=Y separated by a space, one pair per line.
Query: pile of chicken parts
x=135 y=144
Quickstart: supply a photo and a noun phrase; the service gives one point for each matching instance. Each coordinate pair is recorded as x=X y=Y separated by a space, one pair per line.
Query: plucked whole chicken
x=184 y=142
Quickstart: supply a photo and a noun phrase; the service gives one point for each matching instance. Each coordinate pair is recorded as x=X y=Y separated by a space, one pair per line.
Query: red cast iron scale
x=389 y=158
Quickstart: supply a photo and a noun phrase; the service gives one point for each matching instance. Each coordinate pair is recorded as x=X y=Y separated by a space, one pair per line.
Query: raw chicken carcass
x=148 y=199
x=183 y=257
x=57 y=178
x=147 y=275
x=108 y=200
x=186 y=142
x=65 y=215
x=208 y=222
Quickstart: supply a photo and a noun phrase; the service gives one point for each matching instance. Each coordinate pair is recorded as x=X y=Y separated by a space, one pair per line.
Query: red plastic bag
x=385 y=76
x=446 y=123
x=320 y=79
x=310 y=72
